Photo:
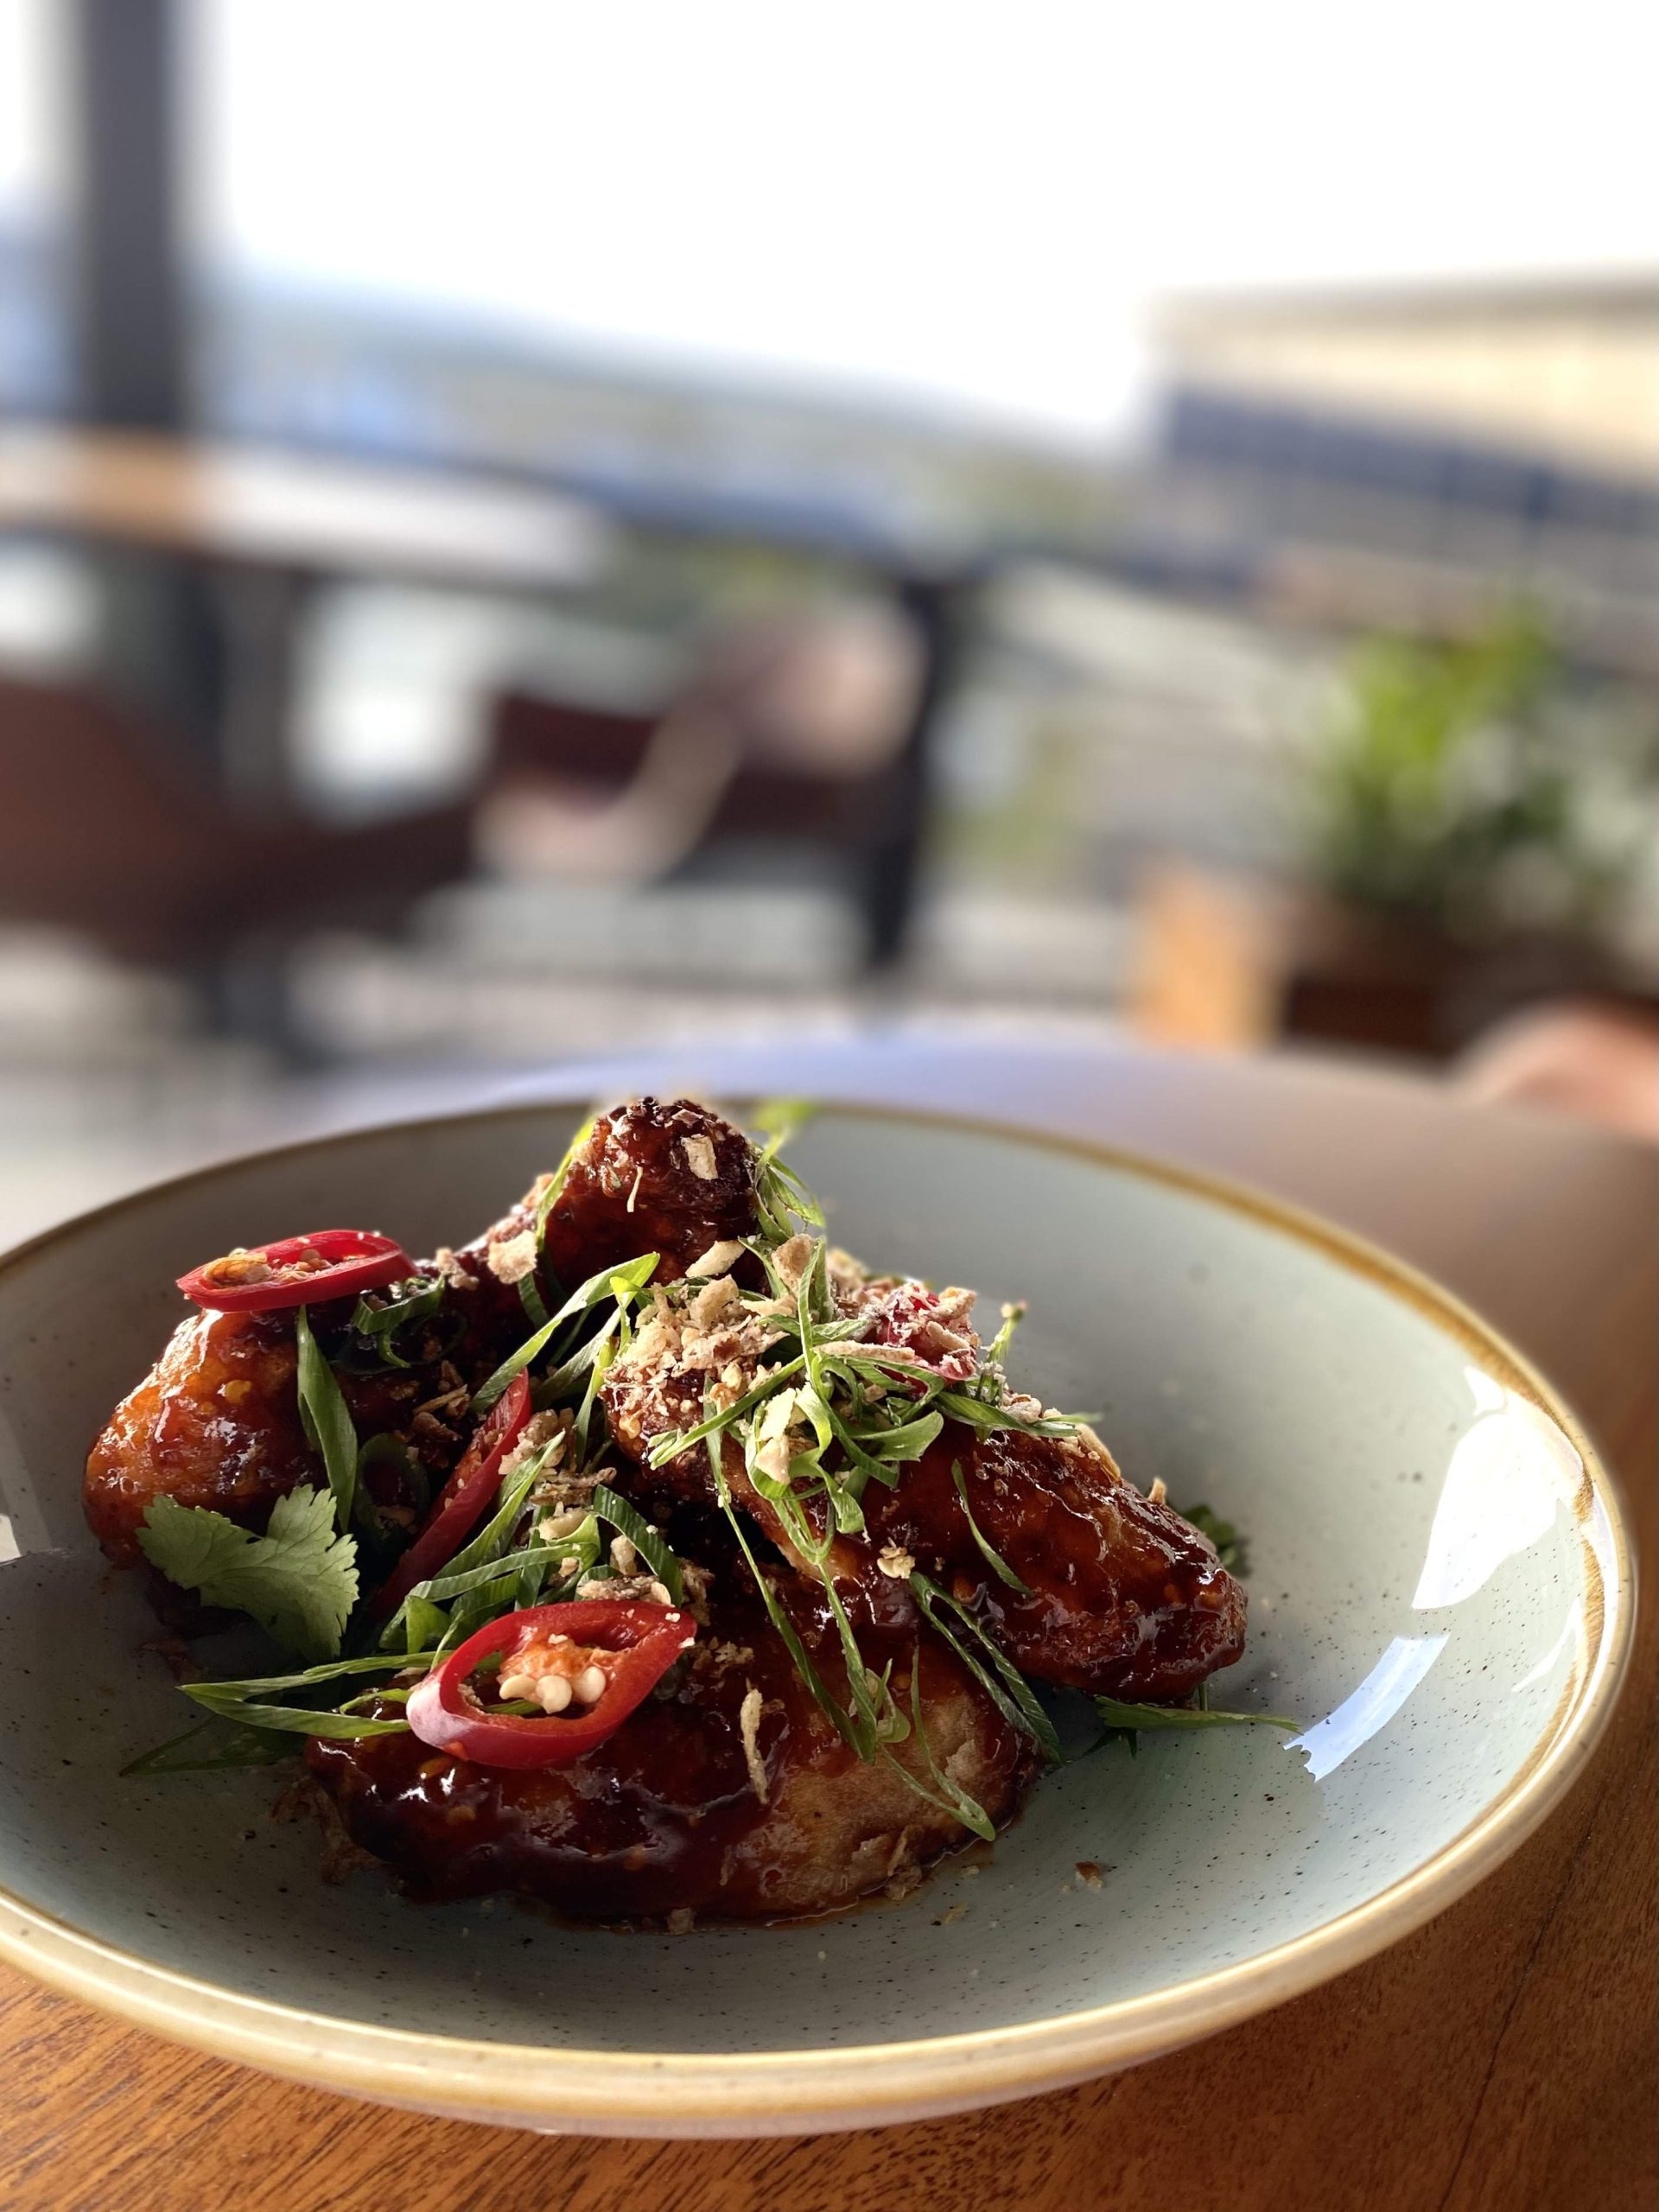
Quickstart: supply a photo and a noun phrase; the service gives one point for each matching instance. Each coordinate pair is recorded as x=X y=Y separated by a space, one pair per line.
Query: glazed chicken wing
x=728 y=1793
x=215 y=1423
x=675 y=1179
x=1123 y=1598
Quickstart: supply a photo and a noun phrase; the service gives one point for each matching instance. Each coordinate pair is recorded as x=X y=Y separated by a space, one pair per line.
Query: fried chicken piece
x=674 y=1179
x=1123 y=1598
x=214 y=1423
x=728 y=1793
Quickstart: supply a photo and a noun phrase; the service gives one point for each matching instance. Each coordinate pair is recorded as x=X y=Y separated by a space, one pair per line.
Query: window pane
x=34 y=370
x=409 y=214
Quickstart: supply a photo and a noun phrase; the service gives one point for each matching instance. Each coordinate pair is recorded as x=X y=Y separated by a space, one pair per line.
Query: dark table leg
x=263 y=612
x=888 y=870
x=161 y=646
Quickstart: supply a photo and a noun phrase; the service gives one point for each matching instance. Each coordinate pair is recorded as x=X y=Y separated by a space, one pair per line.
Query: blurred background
x=527 y=530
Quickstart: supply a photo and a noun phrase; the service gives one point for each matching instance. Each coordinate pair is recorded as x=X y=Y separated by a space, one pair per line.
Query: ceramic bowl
x=1440 y=1587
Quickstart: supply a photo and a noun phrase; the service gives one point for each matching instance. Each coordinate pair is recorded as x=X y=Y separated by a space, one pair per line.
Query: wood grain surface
x=311 y=514
x=1502 y=2057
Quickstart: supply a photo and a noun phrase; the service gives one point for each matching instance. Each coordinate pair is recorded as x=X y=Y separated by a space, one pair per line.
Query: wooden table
x=1501 y=2057
x=292 y=511
x=271 y=526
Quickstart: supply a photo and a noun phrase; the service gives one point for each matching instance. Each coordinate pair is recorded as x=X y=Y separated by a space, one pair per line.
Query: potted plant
x=1469 y=818
x=1472 y=822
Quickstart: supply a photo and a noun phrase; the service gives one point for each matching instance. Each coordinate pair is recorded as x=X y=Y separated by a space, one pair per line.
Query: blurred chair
x=789 y=734
x=104 y=831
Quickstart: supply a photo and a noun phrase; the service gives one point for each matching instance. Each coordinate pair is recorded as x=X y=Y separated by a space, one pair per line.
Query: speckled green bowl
x=1440 y=1590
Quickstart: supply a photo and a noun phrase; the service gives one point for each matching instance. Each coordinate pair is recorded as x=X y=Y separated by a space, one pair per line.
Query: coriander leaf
x=326 y=1420
x=298 y=1581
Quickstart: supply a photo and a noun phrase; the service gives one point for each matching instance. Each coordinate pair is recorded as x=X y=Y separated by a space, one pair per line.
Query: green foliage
x=298 y=1581
x=1230 y=1545
x=1457 y=785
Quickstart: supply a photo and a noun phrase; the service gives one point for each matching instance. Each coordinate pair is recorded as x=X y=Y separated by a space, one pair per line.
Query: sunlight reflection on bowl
x=1510 y=1475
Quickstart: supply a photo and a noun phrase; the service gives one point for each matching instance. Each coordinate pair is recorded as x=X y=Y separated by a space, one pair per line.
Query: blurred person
x=1599 y=1062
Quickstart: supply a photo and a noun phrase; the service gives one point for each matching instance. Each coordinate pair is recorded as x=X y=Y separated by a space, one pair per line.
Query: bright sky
x=967 y=200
